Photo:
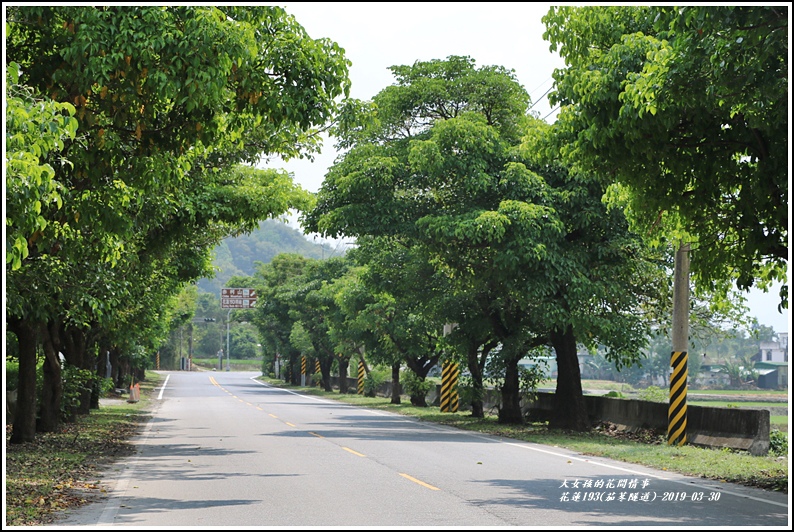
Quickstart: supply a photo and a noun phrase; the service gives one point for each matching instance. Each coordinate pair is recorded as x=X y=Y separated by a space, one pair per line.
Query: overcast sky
x=377 y=35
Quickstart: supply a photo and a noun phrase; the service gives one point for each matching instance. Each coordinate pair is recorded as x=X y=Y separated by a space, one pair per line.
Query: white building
x=773 y=351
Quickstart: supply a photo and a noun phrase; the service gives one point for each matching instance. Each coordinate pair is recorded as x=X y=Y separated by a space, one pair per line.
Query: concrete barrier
x=707 y=426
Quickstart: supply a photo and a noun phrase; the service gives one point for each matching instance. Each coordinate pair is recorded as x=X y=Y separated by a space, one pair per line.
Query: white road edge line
x=160 y=395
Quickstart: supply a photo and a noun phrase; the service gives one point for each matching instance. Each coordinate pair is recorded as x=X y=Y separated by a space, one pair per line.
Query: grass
x=779 y=423
x=58 y=471
x=741 y=392
x=735 y=404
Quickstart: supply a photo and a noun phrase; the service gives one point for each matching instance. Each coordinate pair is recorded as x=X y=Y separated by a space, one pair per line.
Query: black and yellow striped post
x=449 y=386
x=158 y=360
x=303 y=370
x=317 y=368
x=676 y=418
x=361 y=377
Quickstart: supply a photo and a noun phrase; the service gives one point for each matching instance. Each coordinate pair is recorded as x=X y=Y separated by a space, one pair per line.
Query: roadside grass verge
x=60 y=470
x=779 y=422
x=643 y=447
x=735 y=404
x=774 y=393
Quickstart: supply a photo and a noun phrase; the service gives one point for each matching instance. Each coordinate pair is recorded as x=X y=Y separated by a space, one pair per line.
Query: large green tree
x=404 y=316
x=688 y=108
x=528 y=243
x=168 y=102
x=276 y=283
x=314 y=307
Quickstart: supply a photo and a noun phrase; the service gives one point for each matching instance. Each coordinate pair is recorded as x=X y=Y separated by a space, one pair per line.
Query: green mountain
x=240 y=255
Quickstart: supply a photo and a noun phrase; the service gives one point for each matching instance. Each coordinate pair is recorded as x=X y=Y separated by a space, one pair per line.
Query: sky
x=377 y=35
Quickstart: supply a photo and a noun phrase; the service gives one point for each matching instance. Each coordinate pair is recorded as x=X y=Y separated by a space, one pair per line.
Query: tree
x=527 y=242
x=169 y=101
x=403 y=317
x=275 y=283
x=314 y=309
x=688 y=108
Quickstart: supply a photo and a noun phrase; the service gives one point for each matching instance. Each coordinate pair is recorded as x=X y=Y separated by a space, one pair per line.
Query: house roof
x=770 y=364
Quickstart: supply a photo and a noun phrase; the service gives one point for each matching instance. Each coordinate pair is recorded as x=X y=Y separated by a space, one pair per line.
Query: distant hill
x=238 y=255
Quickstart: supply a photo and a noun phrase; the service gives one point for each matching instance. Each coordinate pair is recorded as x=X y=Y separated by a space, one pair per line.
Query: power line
x=541 y=97
x=548 y=115
x=539 y=86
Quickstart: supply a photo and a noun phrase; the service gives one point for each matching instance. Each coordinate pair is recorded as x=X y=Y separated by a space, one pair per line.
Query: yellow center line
x=259 y=408
x=290 y=424
x=315 y=434
x=274 y=417
x=354 y=452
x=412 y=479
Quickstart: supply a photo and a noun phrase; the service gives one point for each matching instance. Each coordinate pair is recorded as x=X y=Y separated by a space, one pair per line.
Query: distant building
x=712 y=374
x=772 y=375
x=771 y=363
x=773 y=351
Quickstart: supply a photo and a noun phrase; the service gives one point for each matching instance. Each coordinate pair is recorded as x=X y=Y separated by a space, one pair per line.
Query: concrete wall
x=735 y=428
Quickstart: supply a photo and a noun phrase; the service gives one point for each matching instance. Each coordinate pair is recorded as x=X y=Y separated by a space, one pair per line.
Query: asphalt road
x=224 y=450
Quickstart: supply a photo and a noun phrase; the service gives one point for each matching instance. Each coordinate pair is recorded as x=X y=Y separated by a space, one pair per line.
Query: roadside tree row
x=132 y=135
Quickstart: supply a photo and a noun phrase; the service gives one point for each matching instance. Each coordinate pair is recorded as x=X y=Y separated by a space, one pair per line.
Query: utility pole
x=228 y=317
x=190 y=347
x=676 y=420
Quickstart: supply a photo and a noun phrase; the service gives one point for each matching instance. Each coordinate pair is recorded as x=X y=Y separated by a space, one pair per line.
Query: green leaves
x=687 y=112
x=158 y=113
x=35 y=131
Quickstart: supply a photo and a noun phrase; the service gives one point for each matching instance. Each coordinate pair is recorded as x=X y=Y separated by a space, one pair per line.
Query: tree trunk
x=344 y=362
x=570 y=411
x=75 y=341
x=102 y=372
x=52 y=386
x=419 y=399
x=421 y=367
x=395 y=384
x=476 y=365
x=325 y=370
x=24 y=428
x=510 y=410
x=294 y=369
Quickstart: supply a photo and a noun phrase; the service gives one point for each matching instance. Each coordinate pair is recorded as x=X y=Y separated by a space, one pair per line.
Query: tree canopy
x=525 y=242
x=687 y=107
x=152 y=117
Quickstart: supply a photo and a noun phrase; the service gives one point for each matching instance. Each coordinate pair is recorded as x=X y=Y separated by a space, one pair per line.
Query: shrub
x=413 y=385
x=613 y=393
x=75 y=382
x=373 y=381
x=653 y=393
x=778 y=443
x=12 y=375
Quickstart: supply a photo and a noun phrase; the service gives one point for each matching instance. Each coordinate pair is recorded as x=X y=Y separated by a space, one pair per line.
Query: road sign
x=238 y=298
